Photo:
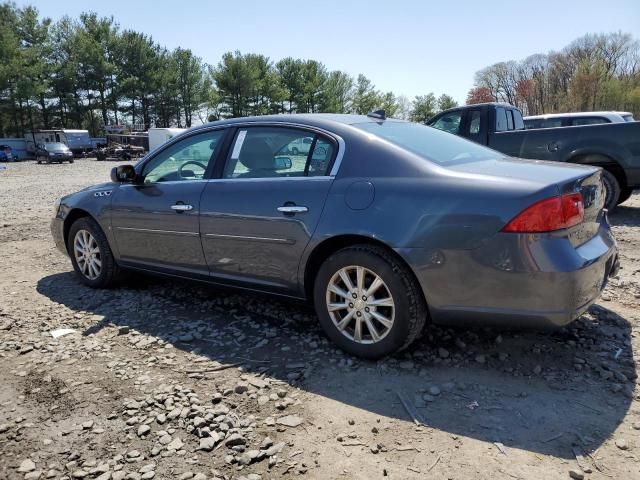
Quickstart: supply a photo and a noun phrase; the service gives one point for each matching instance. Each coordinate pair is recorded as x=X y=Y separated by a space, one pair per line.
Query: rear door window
x=501 y=119
x=272 y=152
x=449 y=122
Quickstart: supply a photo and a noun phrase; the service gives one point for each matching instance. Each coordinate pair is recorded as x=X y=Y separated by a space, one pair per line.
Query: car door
x=155 y=220
x=258 y=217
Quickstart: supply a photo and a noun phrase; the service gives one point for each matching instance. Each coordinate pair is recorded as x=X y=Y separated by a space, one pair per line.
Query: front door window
x=186 y=160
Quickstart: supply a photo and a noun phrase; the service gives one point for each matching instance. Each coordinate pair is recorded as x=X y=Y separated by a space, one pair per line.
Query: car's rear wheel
x=368 y=302
x=91 y=255
x=612 y=189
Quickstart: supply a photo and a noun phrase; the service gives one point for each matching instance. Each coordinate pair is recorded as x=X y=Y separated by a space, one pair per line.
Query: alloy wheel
x=360 y=304
x=87 y=254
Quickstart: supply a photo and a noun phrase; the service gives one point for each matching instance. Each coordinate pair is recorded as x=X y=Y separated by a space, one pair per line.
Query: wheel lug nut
x=359 y=314
x=351 y=305
x=364 y=297
x=366 y=309
x=354 y=295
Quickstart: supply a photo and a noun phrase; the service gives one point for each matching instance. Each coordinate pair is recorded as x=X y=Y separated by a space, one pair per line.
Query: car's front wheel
x=368 y=302
x=91 y=255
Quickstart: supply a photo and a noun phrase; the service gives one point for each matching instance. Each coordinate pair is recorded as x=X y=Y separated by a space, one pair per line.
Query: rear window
x=543 y=123
x=628 y=118
x=430 y=143
x=588 y=121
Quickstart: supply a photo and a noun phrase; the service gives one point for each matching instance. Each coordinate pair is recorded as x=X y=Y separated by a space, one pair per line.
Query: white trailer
x=78 y=141
x=160 y=136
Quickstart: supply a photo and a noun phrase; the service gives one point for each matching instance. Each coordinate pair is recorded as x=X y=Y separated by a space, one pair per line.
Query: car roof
x=311 y=119
x=485 y=104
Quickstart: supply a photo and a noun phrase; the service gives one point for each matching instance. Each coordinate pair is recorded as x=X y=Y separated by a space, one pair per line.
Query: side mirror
x=282 y=163
x=123 y=174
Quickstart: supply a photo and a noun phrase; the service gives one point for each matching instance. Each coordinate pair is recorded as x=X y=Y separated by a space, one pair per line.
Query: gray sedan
x=382 y=224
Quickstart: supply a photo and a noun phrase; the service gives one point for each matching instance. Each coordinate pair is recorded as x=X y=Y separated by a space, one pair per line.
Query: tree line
x=594 y=72
x=87 y=72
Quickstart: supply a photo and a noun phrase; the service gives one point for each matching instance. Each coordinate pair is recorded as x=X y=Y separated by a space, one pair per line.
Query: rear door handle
x=181 y=207
x=293 y=209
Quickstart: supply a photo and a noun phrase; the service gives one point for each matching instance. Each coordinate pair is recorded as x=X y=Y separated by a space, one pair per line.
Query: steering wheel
x=204 y=167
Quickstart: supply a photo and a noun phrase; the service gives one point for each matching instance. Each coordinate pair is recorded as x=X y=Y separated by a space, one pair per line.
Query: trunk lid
x=565 y=177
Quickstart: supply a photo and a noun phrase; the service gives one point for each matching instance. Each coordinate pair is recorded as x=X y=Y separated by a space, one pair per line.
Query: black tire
x=625 y=194
x=409 y=304
x=71 y=161
x=110 y=272
x=612 y=189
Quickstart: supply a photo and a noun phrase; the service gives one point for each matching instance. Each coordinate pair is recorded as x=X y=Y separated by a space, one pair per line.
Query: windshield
x=430 y=143
x=56 y=147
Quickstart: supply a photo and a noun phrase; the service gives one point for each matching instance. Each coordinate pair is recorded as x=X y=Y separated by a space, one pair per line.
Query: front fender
x=94 y=202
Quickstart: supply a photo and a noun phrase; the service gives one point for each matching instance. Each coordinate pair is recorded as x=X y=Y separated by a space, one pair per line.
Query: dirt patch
x=171 y=379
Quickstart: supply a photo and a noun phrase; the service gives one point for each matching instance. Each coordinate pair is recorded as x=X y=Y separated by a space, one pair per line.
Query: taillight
x=550 y=214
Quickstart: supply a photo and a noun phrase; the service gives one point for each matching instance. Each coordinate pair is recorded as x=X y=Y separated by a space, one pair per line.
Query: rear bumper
x=517 y=280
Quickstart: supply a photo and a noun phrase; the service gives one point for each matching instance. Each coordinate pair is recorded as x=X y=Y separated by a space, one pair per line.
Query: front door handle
x=291 y=209
x=181 y=207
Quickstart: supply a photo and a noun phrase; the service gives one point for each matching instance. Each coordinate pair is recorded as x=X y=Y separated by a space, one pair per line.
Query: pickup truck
x=613 y=146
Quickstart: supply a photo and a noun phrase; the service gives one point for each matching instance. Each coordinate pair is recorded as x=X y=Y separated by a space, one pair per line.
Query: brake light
x=550 y=214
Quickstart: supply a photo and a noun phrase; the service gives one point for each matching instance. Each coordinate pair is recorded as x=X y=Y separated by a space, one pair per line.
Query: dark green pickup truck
x=613 y=146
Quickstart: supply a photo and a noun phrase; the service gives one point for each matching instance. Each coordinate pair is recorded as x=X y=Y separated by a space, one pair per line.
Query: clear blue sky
x=409 y=47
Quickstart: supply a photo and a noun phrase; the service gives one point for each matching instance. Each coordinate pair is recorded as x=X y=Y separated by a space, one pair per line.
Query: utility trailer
x=78 y=141
x=123 y=147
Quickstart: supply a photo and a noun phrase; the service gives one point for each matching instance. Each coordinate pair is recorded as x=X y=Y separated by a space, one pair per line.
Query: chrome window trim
x=254 y=123
x=169 y=182
x=269 y=179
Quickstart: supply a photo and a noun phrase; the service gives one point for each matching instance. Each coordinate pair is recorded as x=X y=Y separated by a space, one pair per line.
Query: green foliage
x=424 y=107
x=86 y=72
x=445 y=102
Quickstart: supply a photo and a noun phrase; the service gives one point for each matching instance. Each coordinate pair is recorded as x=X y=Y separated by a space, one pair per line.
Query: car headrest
x=256 y=154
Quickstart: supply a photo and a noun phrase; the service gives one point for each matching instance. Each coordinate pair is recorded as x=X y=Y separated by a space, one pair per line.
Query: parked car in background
x=6 y=154
x=301 y=146
x=553 y=120
x=384 y=225
x=53 y=152
x=613 y=146
x=78 y=141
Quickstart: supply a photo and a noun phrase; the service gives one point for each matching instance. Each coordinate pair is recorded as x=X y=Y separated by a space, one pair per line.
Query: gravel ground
x=175 y=380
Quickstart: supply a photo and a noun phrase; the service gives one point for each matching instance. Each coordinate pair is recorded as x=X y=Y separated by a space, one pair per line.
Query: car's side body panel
x=247 y=240
x=149 y=233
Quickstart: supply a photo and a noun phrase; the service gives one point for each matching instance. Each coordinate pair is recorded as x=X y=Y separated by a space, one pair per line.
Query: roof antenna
x=379 y=114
